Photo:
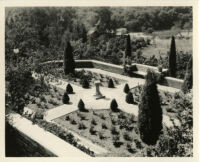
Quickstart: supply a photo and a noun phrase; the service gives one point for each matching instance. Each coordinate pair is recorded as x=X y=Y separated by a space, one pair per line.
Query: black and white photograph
x=99 y=81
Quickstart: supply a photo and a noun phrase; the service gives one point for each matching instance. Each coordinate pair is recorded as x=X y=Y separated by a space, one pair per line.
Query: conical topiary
x=85 y=83
x=150 y=112
x=69 y=89
x=114 y=105
x=65 y=98
x=126 y=88
x=129 y=98
x=110 y=83
x=81 y=105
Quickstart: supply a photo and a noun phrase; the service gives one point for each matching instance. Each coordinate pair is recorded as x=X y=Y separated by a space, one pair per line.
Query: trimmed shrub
x=172 y=58
x=110 y=83
x=114 y=106
x=129 y=98
x=69 y=64
x=150 y=112
x=65 y=98
x=188 y=81
x=85 y=83
x=131 y=148
x=102 y=135
x=69 y=89
x=92 y=130
x=81 y=126
x=115 y=131
x=104 y=126
x=81 y=105
x=93 y=121
x=126 y=88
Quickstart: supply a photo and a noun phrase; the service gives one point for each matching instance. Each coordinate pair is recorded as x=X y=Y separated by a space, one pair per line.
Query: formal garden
x=101 y=107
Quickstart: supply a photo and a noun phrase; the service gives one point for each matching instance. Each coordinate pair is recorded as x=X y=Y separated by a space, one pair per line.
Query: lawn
x=117 y=131
x=163 y=46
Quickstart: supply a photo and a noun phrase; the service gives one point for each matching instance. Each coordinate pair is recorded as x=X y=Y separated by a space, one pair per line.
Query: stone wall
x=25 y=139
x=20 y=145
x=173 y=82
x=139 y=69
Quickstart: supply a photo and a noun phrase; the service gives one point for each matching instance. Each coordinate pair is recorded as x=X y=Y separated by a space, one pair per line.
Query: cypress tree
x=129 y=98
x=188 y=80
x=150 y=112
x=172 y=58
x=69 y=64
x=128 y=46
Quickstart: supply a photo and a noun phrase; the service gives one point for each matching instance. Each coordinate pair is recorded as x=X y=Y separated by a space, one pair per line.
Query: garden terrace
x=138 y=70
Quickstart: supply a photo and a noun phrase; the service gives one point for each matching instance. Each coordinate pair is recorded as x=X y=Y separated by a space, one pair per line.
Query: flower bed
x=79 y=76
x=117 y=131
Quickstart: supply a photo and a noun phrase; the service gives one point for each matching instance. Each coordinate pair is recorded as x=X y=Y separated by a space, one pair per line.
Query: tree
x=128 y=46
x=81 y=105
x=69 y=89
x=85 y=83
x=114 y=105
x=104 y=20
x=188 y=81
x=150 y=112
x=126 y=88
x=172 y=58
x=69 y=64
x=110 y=83
x=19 y=81
x=65 y=98
x=129 y=98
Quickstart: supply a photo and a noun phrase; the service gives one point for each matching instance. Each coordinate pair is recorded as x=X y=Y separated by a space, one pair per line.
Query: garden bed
x=165 y=99
x=117 y=132
x=43 y=97
x=79 y=76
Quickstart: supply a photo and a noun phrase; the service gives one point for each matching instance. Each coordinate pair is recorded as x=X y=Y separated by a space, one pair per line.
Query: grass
x=163 y=46
x=118 y=137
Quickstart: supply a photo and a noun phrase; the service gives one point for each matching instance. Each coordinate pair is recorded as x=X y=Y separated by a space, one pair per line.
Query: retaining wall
x=24 y=139
x=173 y=82
x=168 y=81
x=20 y=145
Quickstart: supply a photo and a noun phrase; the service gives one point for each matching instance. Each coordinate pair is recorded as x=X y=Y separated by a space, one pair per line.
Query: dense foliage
x=18 y=83
x=177 y=141
x=188 y=81
x=150 y=112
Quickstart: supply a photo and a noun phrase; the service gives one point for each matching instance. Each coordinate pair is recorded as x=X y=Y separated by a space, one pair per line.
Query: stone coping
x=49 y=141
